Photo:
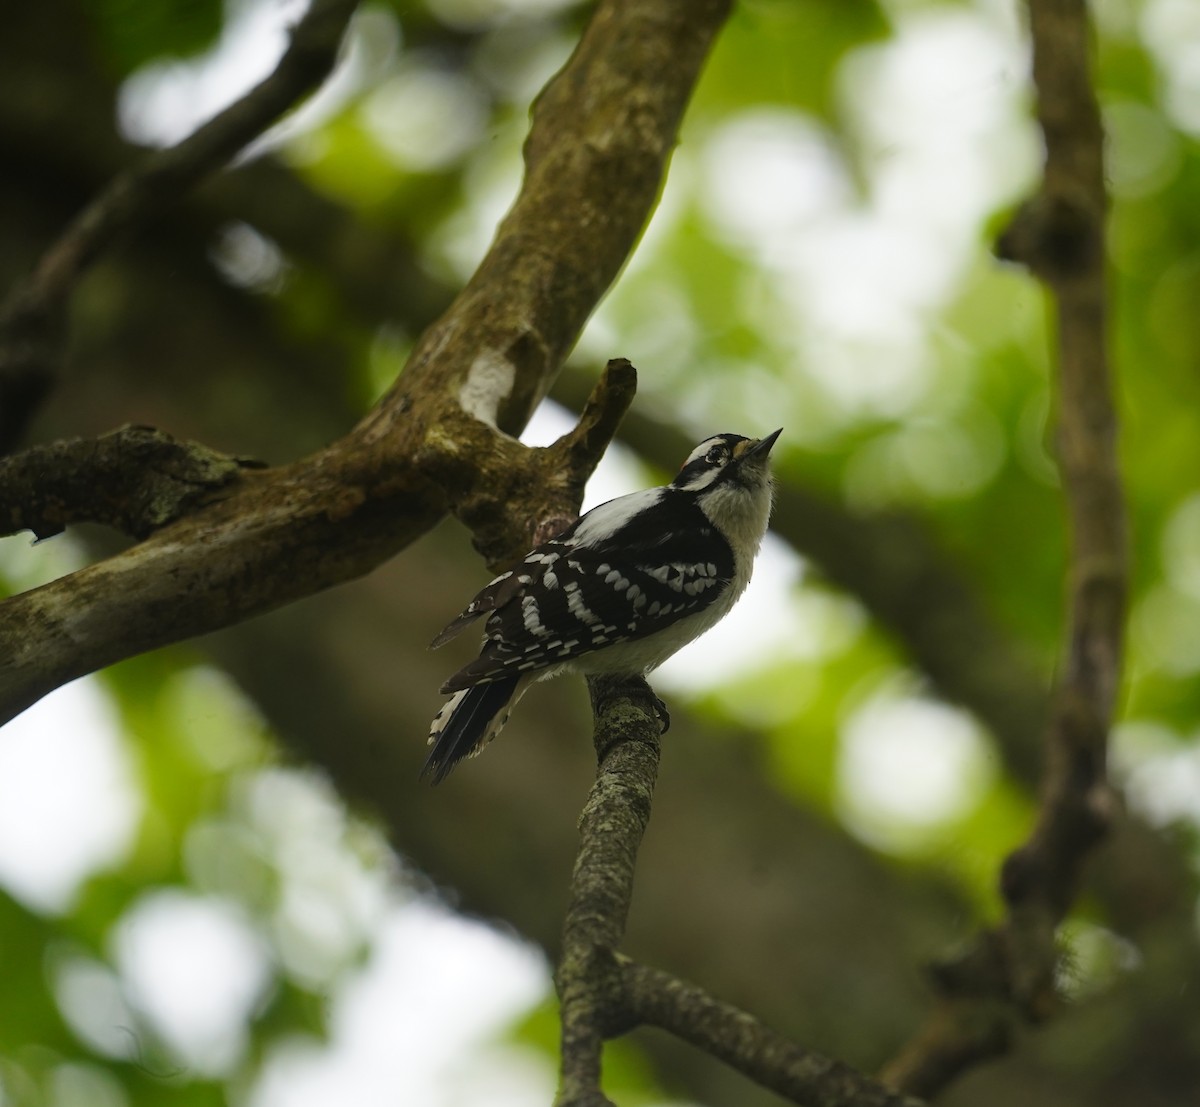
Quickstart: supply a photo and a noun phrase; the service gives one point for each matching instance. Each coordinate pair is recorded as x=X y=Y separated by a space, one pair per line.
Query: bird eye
x=716 y=455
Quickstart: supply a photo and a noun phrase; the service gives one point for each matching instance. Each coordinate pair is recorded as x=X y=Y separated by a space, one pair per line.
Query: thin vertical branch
x=1060 y=236
x=1063 y=241
x=590 y=988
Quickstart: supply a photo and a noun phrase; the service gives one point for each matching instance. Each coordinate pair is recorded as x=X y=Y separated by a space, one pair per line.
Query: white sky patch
x=197 y=969
x=165 y=101
x=474 y=14
x=647 y=311
x=331 y=897
x=517 y=58
x=68 y=803
x=414 y=1025
x=247 y=258
x=489 y=383
x=906 y=766
x=950 y=76
x=489 y=183
x=28 y=564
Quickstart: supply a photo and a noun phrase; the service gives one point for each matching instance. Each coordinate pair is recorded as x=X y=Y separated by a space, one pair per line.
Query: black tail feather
x=465 y=730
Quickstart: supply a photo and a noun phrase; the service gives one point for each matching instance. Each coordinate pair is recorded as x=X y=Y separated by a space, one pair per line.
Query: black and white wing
x=626 y=570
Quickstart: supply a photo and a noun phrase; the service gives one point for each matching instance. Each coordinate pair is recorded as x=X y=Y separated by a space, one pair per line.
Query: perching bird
x=617 y=592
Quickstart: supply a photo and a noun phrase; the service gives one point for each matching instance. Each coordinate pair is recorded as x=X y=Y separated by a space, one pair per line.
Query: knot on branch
x=513 y=497
x=1077 y=809
x=1055 y=235
x=981 y=983
x=975 y=969
x=135 y=479
x=1023 y=874
x=1032 y=955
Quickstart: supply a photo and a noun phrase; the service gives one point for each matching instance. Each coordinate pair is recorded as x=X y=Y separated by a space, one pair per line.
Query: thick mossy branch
x=601 y=137
x=440 y=439
x=1060 y=236
x=135 y=479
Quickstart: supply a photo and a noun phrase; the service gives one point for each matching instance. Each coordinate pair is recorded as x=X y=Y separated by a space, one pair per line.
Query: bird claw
x=662 y=714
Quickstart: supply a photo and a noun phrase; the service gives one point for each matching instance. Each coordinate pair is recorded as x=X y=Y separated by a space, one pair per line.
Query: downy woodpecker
x=617 y=592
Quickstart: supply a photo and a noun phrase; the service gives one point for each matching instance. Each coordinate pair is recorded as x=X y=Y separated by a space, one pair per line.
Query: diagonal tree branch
x=278 y=536
x=439 y=440
x=602 y=134
x=656 y=998
x=30 y=320
x=1060 y=236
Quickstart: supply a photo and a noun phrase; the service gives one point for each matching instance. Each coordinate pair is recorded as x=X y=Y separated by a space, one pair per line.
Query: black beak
x=761 y=448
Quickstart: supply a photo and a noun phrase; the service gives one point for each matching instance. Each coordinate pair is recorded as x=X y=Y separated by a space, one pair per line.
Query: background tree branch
x=1060 y=236
x=742 y=1041
x=30 y=319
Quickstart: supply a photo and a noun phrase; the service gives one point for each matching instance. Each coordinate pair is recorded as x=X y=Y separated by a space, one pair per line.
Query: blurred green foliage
x=962 y=437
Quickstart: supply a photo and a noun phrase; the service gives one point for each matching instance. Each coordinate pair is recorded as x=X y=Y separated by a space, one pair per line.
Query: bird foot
x=662 y=714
